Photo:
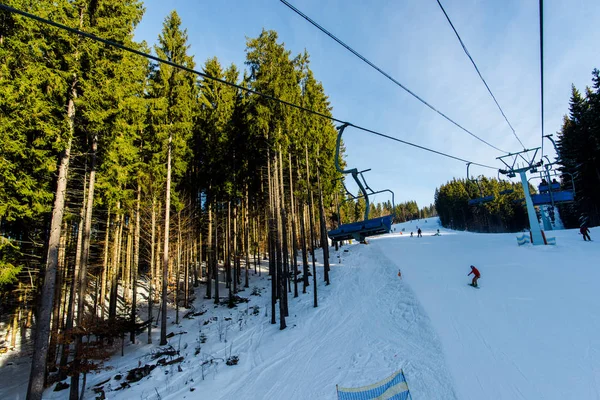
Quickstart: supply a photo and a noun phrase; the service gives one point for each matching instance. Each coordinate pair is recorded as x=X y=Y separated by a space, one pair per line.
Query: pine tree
x=173 y=94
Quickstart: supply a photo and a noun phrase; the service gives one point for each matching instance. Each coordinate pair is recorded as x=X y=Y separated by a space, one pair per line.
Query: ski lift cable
x=479 y=73
x=350 y=49
x=231 y=84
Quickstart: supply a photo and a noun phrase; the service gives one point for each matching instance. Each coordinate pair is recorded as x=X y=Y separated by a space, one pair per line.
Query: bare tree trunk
x=186 y=274
x=294 y=238
x=216 y=253
x=234 y=242
x=255 y=221
x=210 y=250
x=136 y=261
x=165 y=283
x=71 y=308
x=324 y=242
x=284 y=243
x=246 y=237
x=85 y=252
x=114 y=270
x=198 y=260
x=228 y=255
x=281 y=292
x=312 y=230
x=56 y=320
x=105 y=266
x=151 y=269
x=178 y=273
x=128 y=260
x=271 y=232
x=37 y=375
x=16 y=318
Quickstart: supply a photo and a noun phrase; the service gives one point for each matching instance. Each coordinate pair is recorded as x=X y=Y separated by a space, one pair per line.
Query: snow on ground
x=530 y=332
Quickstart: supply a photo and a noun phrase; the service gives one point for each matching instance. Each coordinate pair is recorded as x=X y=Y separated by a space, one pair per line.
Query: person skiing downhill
x=419 y=233
x=476 y=275
x=585 y=231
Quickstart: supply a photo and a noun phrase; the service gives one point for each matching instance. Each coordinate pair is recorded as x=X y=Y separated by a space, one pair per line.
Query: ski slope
x=530 y=332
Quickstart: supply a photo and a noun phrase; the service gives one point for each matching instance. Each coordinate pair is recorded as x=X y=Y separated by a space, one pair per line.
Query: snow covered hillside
x=529 y=332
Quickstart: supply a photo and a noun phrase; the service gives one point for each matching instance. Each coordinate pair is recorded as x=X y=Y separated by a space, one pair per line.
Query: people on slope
x=476 y=275
x=585 y=231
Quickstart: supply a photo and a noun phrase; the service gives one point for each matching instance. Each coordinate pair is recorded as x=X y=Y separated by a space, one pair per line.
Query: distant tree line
x=505 y=213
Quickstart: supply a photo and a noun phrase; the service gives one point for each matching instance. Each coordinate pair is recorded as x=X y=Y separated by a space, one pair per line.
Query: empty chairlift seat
x=481 y=200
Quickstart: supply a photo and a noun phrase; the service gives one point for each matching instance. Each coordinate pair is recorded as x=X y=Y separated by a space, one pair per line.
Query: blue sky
x=412 y=41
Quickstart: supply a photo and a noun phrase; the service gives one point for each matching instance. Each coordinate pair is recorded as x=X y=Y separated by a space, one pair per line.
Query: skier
x=419 y=233
x=476 y=275
x=585 y=231
x=411 y=234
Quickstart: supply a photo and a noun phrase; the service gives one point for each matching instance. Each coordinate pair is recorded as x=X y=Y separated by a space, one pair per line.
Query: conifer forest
x=120 y=174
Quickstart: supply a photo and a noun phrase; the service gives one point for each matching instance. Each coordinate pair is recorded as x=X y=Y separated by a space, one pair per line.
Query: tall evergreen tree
x=174 y=97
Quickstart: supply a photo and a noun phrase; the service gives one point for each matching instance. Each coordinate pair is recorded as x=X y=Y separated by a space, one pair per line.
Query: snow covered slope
x=530 y=332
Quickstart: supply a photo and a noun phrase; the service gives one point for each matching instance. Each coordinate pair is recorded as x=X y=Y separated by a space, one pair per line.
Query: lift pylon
x=521 y=163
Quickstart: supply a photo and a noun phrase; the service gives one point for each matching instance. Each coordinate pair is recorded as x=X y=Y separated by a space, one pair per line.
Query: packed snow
x=529 y=332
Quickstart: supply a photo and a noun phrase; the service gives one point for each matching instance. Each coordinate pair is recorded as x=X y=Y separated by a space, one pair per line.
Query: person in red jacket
x=476 y=275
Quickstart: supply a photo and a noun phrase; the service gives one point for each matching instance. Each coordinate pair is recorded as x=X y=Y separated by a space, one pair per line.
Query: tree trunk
x=293 y=224
x=210 y=251
x=324 y=242
x=37 y=375
x=165 y=283
x=85 y=253
x=151 y=269
x=105 y=266
x=216 y=253
x=234 y=242
x=228 y=261
x=178 y=273
x=272 y=249
x=246 y=238
x=56 y=315
x=114 y=270
x=312 y=230
x=284 y=243
x=136 y=261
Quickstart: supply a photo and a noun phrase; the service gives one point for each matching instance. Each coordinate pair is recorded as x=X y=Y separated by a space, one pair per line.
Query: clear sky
x=412 y=41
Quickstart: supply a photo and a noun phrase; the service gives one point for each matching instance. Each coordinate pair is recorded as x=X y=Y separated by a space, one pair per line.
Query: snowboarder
x=419 y=233
x=585 y=231
x=476 y=275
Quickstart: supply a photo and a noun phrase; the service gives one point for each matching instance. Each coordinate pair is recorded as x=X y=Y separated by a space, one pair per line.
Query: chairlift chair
x=367 y=227
x=551 y=193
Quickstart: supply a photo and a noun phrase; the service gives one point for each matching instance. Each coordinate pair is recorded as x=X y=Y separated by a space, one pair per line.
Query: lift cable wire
x=479 y=73
x=325 y=31
x=248 y=90
x=542 y=68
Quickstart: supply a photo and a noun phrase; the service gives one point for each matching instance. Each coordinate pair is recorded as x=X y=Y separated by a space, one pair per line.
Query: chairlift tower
x=520 y=163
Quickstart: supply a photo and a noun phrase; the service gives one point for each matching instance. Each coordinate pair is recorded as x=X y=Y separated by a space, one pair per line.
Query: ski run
x=530 y=332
